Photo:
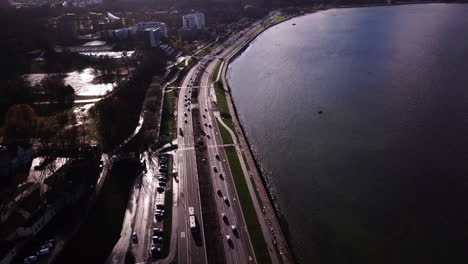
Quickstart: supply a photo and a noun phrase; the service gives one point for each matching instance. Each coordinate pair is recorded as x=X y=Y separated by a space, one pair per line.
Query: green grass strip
x=168 y=120
x=221 y=97
x=216 y=71
x=229 y=123
x=225 y=135
x=253 y=226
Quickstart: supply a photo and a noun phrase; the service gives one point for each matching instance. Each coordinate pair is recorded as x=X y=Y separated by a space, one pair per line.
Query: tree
x=20 y=123
x=59 y=93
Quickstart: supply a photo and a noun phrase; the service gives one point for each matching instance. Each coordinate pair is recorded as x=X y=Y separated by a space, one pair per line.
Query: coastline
x=251 y=155
x=275 y=219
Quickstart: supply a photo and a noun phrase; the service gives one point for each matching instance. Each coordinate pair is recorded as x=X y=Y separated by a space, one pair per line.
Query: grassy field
x=229 y=123
x=216 y=72
x=248 y=209
x=168 y=120
x=208 y=49
x=227 y=139
x=221 y=97
x=276 y=19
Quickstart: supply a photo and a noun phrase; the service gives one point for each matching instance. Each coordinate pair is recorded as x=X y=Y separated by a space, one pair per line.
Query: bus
x=192 y=221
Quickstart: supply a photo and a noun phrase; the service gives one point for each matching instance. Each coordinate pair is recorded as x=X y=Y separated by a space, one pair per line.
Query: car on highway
x=221 y=176
x=217 y=157
x=160 y=189
x=226 y=200
x=206 y=124
x=162 y=183
x=208 y=136
x=185 y=121
x=206 y=110
x=229 y=241
x=160 y=206
x=209 y=125
x=215 y=169
x=134 y=238
x=204 y=116
x=185 y=114
x=225 y=219
x=218 y=191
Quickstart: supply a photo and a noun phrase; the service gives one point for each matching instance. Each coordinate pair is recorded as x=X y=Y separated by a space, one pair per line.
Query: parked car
x=157 y=231
x=157 y=239
x=30 y=259
x=134 y=237
x=43 y=252
x=160 y=189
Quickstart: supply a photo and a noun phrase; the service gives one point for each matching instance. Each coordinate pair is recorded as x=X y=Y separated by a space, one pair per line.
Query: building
x=66 y=27
x=193 y=21
x=141 y=26
x=152 y=37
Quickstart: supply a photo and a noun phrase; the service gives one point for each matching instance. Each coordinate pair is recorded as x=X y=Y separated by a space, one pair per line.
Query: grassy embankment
x=225 y=135
x=222 y=100
x=276 y=20
x=253 y=226
x=168 y=125
x=207 y=50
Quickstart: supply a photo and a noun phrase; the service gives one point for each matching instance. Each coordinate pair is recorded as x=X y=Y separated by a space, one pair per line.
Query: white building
x=152 y=37
x=141 y=26
x=194 y=21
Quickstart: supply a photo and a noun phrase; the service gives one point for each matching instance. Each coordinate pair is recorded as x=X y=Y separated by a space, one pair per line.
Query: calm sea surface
x=382 y=175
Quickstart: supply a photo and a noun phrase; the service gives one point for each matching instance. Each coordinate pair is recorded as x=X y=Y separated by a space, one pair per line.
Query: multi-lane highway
x=239 y=248
x=235 y=237
x=236 y=241
x=191 y=247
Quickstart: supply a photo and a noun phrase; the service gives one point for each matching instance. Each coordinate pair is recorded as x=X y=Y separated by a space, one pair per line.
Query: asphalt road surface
x=191 y=249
